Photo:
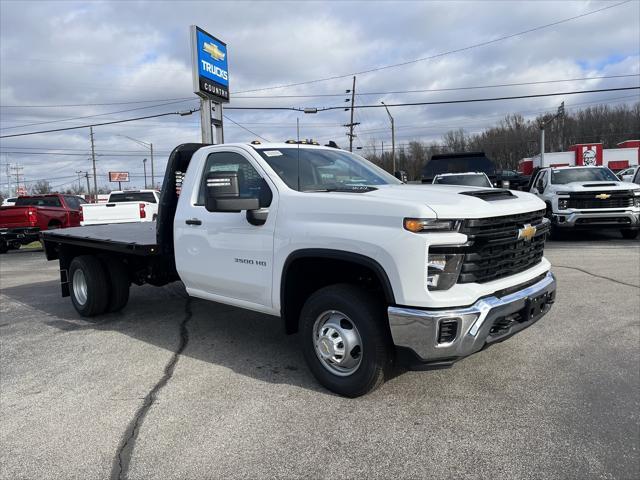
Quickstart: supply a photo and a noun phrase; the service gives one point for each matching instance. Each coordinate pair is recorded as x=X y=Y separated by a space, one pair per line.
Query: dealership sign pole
x=210 y=81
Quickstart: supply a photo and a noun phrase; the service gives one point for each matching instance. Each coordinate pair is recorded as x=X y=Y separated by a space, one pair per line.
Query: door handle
x=193 y=221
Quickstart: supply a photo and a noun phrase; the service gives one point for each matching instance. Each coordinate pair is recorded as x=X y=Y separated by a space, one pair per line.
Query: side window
x=51 y=202
x=250 y=182
x=72 y=202
x=542 y=180
x=534 y=183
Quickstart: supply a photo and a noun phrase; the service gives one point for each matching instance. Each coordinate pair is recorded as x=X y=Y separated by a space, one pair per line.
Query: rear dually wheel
x=89 y=285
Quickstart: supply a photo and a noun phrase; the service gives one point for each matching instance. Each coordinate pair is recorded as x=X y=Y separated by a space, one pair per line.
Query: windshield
x=132 y=197
x=325 y=170
x=560 y=177
x=474 y=180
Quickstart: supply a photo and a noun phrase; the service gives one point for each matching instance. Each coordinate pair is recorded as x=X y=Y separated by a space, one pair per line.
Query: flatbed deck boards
x=137 y=238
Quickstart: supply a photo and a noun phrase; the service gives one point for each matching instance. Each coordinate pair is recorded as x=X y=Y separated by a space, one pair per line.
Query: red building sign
x=588 y=154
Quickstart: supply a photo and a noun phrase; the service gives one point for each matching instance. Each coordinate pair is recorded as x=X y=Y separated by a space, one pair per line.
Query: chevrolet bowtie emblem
x=603 y=196
x=527 y=232
x=214 y=51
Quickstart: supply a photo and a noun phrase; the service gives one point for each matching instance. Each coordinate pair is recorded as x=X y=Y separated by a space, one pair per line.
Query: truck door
x=221 y=254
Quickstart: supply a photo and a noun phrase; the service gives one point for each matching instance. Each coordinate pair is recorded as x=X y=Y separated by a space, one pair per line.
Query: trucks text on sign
x=210 y=65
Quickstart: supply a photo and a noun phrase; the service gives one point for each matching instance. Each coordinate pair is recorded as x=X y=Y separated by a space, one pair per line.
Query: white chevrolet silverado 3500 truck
x=367 y=270
x=588 y=198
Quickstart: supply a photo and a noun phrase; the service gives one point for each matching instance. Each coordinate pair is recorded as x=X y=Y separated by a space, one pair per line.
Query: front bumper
x=491 y=319
x=594 y=219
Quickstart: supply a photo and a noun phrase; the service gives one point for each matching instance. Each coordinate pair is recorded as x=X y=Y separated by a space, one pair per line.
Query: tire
x=89 y=285
x=119 y=283
x=4 y=248
x=555 y=233
x=357 y=315
x=629 y=234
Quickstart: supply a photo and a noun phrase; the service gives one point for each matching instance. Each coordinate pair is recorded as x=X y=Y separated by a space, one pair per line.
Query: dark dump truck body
x=458 y=163
x=145 y=248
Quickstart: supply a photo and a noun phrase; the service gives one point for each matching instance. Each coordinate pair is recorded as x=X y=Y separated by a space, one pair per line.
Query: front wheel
x=629 y=234
x=345 y=339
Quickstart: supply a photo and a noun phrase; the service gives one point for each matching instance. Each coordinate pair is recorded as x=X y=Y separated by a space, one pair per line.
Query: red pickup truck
x=21 y=223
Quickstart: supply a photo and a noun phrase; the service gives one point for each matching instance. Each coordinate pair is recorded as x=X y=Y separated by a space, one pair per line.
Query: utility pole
x=8 y=170
x=93 y=159
x=153 y=178
x=393 y=139
x=16 y=170
x=542 y=125
x=559 y=113
x=149 y=145
x=86 y=175
x=351 y=124
x=144 y=166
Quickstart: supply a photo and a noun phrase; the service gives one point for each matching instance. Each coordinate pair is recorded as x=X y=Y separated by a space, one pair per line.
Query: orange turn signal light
x=413 y=225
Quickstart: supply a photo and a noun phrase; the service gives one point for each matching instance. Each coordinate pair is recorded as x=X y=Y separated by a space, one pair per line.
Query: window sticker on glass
x=273 y=153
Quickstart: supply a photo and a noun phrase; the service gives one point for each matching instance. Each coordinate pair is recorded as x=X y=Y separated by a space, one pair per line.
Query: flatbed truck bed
x=132 y=238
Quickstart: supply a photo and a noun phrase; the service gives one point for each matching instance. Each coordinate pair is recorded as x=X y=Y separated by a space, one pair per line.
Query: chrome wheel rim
x=337 y=343
x=79 y=287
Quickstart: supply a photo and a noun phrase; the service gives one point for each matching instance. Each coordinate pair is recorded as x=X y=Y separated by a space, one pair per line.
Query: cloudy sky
x=113 y=60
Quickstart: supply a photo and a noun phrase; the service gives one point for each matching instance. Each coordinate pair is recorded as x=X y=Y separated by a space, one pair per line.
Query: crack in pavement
x=120 y=467
x=596 y=275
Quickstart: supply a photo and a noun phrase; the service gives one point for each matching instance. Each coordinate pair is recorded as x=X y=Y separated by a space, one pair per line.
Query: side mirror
x=223 y=194
x=401 y=175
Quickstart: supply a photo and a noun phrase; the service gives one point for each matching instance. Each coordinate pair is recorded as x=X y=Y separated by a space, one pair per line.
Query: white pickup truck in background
x=123 y=207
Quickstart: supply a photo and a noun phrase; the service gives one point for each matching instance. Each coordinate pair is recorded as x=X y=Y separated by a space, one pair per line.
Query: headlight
x=563 y=203
x=636 y=198
x=417 y=225
x=443 y=270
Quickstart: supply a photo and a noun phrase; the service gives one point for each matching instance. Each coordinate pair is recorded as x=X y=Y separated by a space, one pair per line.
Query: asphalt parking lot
x=174 y=388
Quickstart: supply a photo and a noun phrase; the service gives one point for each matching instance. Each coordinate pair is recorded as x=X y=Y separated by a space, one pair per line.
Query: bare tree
x=41 y=187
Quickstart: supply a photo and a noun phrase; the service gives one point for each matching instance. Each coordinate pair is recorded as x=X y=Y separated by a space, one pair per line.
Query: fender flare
x=343 y=255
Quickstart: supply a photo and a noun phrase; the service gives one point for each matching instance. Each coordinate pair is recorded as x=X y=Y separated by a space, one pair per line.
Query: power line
x=442 y=54
x=245 y=128
x=90 y=116
x=96 y=104
x=425 y=90
x=335 y=95
x=138 y=154
x=188 y=112
x=41 y=179
x=442 y=102
x=472 y=100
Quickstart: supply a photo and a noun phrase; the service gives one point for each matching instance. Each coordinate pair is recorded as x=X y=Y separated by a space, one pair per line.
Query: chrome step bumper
x=490 y=319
